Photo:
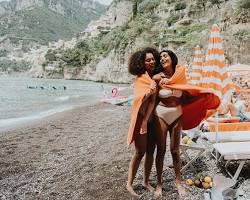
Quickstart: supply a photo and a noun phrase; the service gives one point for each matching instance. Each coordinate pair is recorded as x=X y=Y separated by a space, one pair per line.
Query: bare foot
x=181 y=190
x=149 y=187
x=131 y=190
x=158 y=191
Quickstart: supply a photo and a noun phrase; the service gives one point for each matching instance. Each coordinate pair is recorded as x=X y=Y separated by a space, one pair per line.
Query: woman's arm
x=150 y=107
x=149 y=110
x=158 y=77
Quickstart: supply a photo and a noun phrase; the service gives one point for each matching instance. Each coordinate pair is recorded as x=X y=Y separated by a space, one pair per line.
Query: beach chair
x=233 y=151
x=198 y=147
x=227 y=136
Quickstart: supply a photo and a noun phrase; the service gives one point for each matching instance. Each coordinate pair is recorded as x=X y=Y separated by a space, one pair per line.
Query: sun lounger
x=227 y=136
x=199 y=147
x=234 y=151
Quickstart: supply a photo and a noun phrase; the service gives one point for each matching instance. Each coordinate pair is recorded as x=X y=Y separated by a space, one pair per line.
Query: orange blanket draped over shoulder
x=198 y=104
x=195 y=108
x=141 y=91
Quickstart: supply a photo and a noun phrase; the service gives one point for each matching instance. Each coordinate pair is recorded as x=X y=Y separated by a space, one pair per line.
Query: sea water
x=26 y=99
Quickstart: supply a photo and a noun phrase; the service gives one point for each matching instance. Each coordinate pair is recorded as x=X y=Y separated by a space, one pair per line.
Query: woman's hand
x=159 y=76
x=164 y=81
x=144 y=129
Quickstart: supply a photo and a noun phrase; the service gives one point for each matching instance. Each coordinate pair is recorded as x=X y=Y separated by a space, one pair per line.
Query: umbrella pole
x=216 y=133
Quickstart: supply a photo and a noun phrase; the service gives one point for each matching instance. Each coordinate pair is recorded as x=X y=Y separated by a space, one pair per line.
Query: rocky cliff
x=177 y=25
x=129 y=25
x=26 y=25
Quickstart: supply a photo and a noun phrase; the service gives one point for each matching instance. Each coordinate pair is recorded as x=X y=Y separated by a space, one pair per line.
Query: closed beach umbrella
x=187 y=73
x=195 y=75
x=214 y=72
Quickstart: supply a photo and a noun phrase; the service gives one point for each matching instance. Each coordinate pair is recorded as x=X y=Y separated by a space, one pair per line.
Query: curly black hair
x=134 y=67
x=136 y=61
x=173 y=57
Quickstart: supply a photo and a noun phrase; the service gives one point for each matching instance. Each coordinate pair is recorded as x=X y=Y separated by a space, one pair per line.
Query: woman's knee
x=150 y=150
x=140 y=153
x=161 y=151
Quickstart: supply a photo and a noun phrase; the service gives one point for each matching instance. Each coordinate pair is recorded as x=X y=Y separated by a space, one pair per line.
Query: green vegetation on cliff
x=244 y=4
x=44 y=24
x=172 y=23
x=118 y=39
x=16 y=66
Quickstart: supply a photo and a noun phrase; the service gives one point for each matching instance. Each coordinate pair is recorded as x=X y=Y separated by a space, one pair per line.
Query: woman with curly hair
x=142 y=64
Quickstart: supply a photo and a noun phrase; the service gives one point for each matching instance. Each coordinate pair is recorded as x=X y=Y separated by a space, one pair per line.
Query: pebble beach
x=83 y=154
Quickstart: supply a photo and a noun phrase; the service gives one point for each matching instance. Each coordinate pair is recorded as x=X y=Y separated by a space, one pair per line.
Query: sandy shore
x=81 y=154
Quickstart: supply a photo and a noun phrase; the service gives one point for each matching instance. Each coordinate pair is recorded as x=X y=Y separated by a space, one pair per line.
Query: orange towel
x=141 y=89
x=195 y=108
x=199 y=103
x=235 y=126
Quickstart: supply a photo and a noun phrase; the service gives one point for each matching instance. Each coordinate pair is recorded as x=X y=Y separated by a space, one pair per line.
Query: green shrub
x=79 y=56
x=16 y=66
x=244 y=4
x=148 y=6
x=3 y=53
x=135 y=7
x=50 y=56
x=215 y=1
x=170 y=1
x=180 y=6
x=172 y=19
x=242 y=35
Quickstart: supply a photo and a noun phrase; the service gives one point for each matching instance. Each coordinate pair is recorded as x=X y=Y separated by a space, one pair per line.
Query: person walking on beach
x=142 y=65
x=173 y=111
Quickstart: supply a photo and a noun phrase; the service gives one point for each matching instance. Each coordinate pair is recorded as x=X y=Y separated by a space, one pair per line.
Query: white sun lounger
x=234 y=151
x=228 y=136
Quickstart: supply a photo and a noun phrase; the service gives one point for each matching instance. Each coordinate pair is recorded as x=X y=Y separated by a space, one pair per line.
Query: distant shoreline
x=22 y=122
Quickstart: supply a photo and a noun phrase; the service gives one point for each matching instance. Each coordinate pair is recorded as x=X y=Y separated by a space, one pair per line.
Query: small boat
x=118 y=100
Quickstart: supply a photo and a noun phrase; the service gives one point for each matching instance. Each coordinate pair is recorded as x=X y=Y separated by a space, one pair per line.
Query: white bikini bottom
x=168 y=114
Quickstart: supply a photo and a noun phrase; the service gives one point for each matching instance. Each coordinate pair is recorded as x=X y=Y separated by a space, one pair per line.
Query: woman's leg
x=161 y=134
x=141 y=146
x=175 y=133
x=149 y=158
x=140 y=149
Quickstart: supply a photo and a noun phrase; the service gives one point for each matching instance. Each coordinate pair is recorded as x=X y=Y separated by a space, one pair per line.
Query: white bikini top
x=165 y=93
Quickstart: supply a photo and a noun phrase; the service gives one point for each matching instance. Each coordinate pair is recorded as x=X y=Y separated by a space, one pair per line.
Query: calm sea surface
x=26 y=99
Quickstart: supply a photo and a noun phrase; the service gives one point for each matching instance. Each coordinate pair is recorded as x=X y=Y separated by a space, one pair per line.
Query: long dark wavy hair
x=173 y=57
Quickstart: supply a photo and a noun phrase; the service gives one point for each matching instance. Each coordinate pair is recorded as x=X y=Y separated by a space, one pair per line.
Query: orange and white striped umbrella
x=187 y=73
x=195 y=75
x=214 y=71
